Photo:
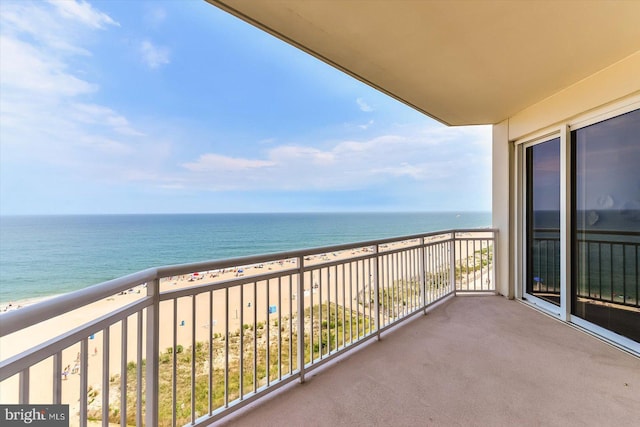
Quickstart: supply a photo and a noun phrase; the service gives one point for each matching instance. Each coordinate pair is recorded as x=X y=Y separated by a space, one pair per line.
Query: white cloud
x=83 y=12
x=363 y=105
x=404 y=169
x=435 y=157
x=99 y=115
x=289 y=154
x=46 y=115
x=219 y=163
x=152 y=55
x=30 y=68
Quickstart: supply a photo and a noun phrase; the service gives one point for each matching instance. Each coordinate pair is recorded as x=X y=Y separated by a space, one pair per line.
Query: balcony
x=473 y=360
x=195 y=344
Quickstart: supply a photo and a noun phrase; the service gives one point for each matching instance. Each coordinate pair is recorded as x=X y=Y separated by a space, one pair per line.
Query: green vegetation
x=397 y=299
x=479 y=260
x=330 y=325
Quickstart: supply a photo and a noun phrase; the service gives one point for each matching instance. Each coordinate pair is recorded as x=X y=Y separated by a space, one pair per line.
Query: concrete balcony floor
x=483 y=361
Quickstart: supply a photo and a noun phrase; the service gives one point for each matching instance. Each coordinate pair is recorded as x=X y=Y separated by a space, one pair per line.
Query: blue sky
x=167 y=106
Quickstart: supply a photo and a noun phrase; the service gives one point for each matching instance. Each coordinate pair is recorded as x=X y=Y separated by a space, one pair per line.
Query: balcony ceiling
x=460 y=62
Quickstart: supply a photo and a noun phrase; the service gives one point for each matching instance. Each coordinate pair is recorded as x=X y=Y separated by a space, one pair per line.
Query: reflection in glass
x=543 y=221
x=607 y=224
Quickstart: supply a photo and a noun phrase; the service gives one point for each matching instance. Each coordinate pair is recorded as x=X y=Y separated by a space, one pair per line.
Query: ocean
x=48 y=255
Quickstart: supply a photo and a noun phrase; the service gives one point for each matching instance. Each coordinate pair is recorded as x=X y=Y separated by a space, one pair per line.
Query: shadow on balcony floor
x=472 y=361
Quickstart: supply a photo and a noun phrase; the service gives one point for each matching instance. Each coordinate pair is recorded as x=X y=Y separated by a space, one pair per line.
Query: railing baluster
x=611 y=298
x=434 y=275
x=139 y=373
x=255 y=335
x=365 y=315
x=291 y=323
x=376 y=289
x=413 y=279
x=123 y=371
x=371 y=322
x=174 y=363
x=320 y=332
x=84 y=385
x=193 y=359
x=421 y=276
x=57 y=378
x=372 y=267
x=637 y=262
x=440 y=264
x=335 y=275
x=328 y=302
x=312 y=285
x=105 y=376
x=226 y=348
x=352 y=331
x=624 y=274
x=482 y=266
x=417 y=276
x=344 y=306
x=241 y=351
x=153 y=350
x=494 y=257
x=268 y=359
x=328 y=310
x=406 y=256
x=389 y=288
x=211 y=339
x=23 y=392
x=405 y=282
x=280 y=327
x=600 y=270
x=301 y=343
x=358 y=335
x=468 y=257
x=392 y=283
x=452 y=263
x=402 y=283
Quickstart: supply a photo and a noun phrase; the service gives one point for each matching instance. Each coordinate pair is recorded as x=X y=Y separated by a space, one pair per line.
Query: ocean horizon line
x=249 y=213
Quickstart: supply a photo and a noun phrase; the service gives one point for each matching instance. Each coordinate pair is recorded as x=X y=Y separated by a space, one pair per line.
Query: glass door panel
x=606 y=268
x=543 y=221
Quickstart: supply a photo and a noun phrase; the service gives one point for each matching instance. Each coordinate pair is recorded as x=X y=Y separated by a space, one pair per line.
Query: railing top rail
x=176 y=270
x=30 y=315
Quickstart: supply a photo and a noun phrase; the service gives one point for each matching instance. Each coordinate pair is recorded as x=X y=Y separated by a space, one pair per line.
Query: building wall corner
x=501 y=206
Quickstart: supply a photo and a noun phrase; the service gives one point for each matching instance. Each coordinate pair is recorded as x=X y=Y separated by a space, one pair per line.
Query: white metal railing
x=189 y=344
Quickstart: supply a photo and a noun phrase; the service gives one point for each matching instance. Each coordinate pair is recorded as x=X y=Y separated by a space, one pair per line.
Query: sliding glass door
x=543 y=221
x=606 y=219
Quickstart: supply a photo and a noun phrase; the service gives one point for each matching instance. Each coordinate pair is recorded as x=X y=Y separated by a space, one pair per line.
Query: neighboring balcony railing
x=609 y=263
x=190 y=344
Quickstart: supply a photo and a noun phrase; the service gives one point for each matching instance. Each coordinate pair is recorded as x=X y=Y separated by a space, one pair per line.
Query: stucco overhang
x=460 y=62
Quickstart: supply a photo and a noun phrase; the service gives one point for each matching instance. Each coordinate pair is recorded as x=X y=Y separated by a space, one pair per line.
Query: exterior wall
x=501 y=207
x=616 y=85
